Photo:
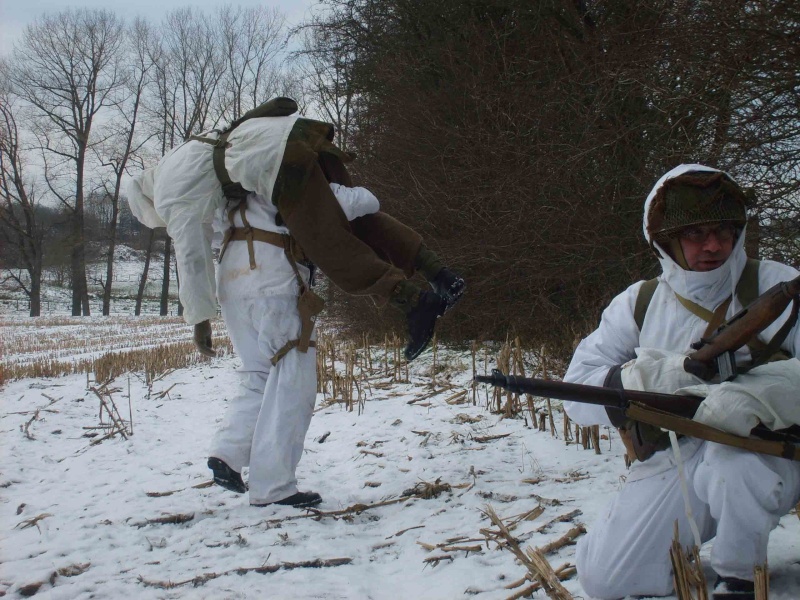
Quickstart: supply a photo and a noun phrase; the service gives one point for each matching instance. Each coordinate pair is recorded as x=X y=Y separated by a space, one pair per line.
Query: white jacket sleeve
x=613 y=343
x=140 y=199
x=187 y=193
x=768 y=393
x=355 y=201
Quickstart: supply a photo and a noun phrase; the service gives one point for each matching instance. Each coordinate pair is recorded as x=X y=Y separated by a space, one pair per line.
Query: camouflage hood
x=709 y=288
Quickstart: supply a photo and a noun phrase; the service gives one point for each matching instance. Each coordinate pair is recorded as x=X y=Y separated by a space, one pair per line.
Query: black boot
x=428 y=307
x=730 y=588
x=449 y=285
x=298 y=500
x=225 y=476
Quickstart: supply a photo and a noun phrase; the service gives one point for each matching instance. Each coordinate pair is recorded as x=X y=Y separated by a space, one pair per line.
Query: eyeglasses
x=724 y=232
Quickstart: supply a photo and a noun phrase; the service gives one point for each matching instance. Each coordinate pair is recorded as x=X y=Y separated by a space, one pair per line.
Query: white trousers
x=736 y=496
x=265 y=425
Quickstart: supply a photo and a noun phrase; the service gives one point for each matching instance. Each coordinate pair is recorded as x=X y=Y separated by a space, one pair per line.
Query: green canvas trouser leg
x=317 y=222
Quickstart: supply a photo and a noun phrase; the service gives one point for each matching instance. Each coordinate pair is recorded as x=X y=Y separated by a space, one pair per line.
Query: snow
x=57 y=295
x=78 y=519
x=87 y=511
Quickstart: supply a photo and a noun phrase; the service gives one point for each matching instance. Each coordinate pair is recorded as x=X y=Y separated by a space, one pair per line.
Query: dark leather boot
x=731 y=588
x=298 y=500
x=225 y=476
x=422 y=316
x=449 y=285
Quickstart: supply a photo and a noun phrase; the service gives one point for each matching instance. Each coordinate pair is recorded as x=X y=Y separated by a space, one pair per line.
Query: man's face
x=706 y=247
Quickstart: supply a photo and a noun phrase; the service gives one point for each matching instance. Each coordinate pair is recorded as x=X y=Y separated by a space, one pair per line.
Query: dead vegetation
x=56 y=347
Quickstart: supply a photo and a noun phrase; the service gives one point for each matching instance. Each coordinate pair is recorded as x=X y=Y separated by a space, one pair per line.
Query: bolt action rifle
x=715 y=355
x=712 y=356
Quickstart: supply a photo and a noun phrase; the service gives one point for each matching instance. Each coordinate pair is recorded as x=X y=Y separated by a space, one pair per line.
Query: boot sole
x=453 y=295
x=218 y=469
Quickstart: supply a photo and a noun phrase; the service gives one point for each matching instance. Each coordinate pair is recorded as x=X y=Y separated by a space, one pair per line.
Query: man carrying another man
x=277 y=186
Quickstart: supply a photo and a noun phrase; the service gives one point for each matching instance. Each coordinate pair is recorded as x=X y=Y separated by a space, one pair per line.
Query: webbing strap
x=694 y=429
x=287 y=347
x=643 y=300
x=714 y=319
x=248 y=235
x=309 y=304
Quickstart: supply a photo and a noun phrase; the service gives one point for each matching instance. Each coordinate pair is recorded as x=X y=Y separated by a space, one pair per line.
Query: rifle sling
x=651 y=416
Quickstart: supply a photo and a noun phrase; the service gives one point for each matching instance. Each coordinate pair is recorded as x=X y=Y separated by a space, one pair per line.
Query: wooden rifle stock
x=741 y=328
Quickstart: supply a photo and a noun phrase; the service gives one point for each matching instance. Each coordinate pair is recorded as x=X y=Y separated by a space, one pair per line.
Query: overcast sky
x=16 y=14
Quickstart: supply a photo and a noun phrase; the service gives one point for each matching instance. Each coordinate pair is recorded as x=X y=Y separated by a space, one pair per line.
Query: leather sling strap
x=694 y=429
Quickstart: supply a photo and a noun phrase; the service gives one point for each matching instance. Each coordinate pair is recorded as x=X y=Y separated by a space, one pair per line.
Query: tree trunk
x=80 y=292
x=165 y=281
x=143 y=280
x=178 y=283
x=110 y=263
x=36 y=290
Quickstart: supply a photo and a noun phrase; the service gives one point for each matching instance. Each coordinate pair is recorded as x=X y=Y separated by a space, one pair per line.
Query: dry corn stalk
x=533 y=559
x=761 y=574
x=687 y=571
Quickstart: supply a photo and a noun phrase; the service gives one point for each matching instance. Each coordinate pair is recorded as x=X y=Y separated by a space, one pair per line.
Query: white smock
x=266 y=420
x=735 y=495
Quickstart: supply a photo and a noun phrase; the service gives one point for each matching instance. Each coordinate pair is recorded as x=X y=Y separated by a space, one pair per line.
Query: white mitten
x=355 y=201
x=656 y=370
x=769 y=393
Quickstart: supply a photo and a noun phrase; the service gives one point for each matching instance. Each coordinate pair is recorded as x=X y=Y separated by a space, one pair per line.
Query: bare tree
x=192 y=66
x=67 y=67
x=122 y=139
x=252 y=40
x=327 y=70
x=18 y=203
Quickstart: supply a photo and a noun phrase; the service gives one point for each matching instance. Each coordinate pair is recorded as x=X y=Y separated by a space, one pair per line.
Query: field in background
x=103 y=346
x=57 y=296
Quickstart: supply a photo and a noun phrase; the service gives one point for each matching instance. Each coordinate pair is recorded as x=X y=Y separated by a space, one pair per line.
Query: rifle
x=665 y=411
x=716 y=354
x=712 y=356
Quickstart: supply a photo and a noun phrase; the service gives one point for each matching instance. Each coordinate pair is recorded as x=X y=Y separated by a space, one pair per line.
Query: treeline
x=87 y=99
x=520 y=138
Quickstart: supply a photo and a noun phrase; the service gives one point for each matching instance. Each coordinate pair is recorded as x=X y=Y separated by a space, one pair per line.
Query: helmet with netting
x=695 y=198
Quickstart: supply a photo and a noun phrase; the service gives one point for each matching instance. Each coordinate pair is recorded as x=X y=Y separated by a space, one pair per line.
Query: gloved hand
x=202 y=338
x=656 y=370
x=767 y=393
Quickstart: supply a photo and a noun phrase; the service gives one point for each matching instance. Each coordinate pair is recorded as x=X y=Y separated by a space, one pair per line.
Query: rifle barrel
x=684 y=406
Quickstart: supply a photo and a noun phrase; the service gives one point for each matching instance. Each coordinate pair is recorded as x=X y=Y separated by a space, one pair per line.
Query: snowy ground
x=81 y=520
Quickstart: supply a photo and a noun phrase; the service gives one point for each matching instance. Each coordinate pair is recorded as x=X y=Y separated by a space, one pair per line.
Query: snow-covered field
x=406 y=478
x=135 y=517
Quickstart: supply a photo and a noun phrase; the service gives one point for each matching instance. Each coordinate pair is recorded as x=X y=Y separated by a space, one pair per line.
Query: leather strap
x=287 y=347
x=694 y=429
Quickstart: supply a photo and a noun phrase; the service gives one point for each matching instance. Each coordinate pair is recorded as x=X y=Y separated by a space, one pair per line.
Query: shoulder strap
x=747 y=288
x=232 y=190
x=643 y=300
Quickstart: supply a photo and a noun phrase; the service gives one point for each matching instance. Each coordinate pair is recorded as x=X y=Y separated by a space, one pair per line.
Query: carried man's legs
x=358 y=260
